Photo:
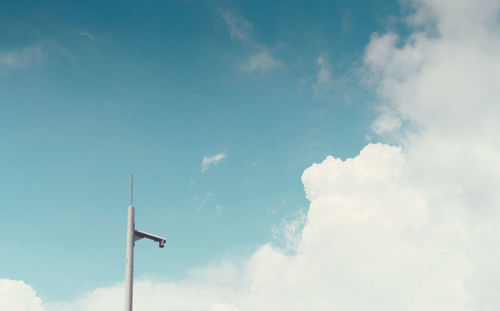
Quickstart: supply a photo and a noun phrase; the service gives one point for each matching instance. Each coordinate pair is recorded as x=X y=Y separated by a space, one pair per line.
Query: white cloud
x=18 y=296
x=154 y=296
x=21 y=57
x=209 y=161
x=261 y=61
x=223 y=307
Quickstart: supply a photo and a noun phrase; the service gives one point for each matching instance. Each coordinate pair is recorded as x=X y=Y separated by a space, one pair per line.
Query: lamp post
x=132 y=236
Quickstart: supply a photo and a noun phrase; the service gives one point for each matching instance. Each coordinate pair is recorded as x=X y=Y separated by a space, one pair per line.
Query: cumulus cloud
x=18 y=296
x=154 y=296
x=443 y=80
x=209 y=161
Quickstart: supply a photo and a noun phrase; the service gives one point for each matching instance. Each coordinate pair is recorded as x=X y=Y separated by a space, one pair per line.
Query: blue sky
x=92 y=91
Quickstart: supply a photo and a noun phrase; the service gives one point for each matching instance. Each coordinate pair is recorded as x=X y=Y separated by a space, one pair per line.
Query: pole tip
x=131 y=189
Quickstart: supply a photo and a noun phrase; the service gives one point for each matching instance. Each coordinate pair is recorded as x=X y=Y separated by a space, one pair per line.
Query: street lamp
x=132 y=236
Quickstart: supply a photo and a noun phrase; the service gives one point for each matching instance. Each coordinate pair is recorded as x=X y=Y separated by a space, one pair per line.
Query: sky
x=325 y=155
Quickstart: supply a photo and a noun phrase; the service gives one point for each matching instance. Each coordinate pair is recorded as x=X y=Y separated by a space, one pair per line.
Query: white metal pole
x=132 y=236
x=129 y=265
x=129 y=269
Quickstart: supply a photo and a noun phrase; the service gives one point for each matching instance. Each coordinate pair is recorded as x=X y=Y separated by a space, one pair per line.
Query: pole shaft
x=129 y=266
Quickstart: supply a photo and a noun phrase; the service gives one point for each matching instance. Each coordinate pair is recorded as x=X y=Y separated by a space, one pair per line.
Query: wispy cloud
x=289 y=233
x=260 y=58
x=21 y=57
x=209 y=195
x=260 y=62
x=387 y=120
x=324 y=76
x=219 y=209
x=209 y=161
x=239 y=27
x=86 y=34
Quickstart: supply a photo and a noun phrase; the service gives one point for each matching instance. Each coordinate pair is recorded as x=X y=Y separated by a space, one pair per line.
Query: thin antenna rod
x=132 y=189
